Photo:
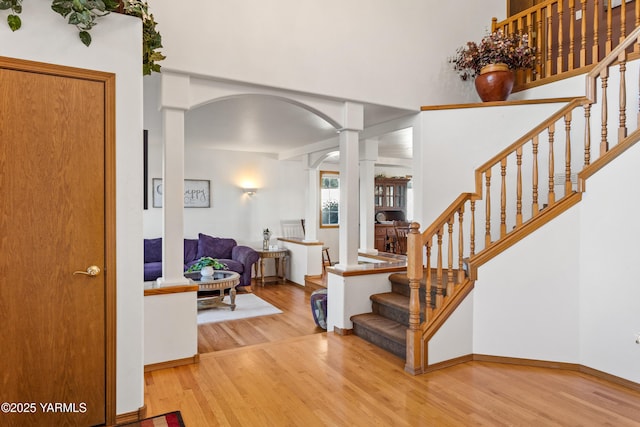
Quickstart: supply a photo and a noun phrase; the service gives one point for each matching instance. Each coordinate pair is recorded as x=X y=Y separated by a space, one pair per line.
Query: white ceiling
x=268 y=125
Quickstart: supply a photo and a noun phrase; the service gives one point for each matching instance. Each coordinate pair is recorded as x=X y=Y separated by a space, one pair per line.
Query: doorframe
x=109 y=82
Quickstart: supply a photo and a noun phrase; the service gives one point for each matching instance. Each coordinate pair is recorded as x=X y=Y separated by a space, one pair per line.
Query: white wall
x=233 y=213
x=116 y=48
x=456 y=142
x=527 y=300
x=351 y=50
x=609 y=291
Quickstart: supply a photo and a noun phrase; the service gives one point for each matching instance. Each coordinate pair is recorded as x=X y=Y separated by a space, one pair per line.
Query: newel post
x=414 y=273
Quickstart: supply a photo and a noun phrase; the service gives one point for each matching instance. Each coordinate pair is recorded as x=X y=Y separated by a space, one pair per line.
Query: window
x=329 y=199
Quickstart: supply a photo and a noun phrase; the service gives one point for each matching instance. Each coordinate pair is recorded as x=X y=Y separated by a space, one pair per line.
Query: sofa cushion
x=152 y=270
x=190 y=250
x=153 y=250
x=214 y=247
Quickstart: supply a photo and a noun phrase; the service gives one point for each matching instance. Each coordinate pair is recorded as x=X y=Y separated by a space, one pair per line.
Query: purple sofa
x=237 y=258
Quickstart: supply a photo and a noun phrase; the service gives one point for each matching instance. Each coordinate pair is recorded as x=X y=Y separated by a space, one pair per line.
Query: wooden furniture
x=390 y=194
x=390 y=201
x=211 y=288
x=401 y=229
x=278 y=255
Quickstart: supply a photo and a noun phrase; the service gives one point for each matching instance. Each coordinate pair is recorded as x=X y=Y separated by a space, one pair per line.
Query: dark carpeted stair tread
x=392 y=299
x=386 y=327
x=400 y=278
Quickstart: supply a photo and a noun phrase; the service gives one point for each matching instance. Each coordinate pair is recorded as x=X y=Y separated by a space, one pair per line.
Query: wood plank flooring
x=296 y=320
x=297 y=375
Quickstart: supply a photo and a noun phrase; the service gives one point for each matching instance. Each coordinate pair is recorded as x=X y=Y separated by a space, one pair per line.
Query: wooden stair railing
x=570 y=35
x=540 y=170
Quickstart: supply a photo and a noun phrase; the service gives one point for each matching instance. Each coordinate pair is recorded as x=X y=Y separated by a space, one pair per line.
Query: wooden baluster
x=552 y=194
x=460 y=244
x=413 y=361
x=519 y=187
x=587 y=134
x=450 y=258
x=572 y=20
x=567 y=154
x=604 y=145
x=623 y=21
x=428 y=281
x=487 y=236
x=636 y=47
x=560 y=69
x=530 y=31
x=503 y=198
x=543 y=70
x=595 y=49
x=549 y=41
x=439 y=288
x=534 y=205
x=472 y=232
x=638 y=114
x=494 y=24
x=583 y=34
x=608 y=43
x=622 y=130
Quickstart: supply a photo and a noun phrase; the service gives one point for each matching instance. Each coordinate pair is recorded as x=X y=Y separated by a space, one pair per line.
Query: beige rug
x=247 y=305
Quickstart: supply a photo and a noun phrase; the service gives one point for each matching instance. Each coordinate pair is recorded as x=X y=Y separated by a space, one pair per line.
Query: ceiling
x=269 y=125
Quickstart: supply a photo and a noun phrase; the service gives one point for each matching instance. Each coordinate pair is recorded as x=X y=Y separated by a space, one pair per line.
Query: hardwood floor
x=295 y=321
x=293 y=374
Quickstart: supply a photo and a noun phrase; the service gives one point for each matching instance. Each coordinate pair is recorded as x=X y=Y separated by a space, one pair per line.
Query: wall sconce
x=250 y=191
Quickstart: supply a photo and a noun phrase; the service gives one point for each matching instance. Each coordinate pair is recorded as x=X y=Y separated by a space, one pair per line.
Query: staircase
x=456 y=244
x=386 y=326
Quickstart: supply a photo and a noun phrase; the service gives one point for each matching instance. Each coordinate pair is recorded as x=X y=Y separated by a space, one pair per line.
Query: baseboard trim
x=535 y=363
x=172 y=363
x=449 y=363
x=342 y=332
x=133 y=416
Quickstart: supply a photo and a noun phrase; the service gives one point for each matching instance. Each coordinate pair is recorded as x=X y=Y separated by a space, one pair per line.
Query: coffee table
x=211 y=288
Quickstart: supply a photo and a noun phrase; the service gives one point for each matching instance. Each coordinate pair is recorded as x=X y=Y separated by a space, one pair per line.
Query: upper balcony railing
x=571 y=35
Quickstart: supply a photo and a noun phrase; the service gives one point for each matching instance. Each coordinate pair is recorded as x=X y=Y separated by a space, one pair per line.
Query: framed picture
x=614 y=3
x=197 y=193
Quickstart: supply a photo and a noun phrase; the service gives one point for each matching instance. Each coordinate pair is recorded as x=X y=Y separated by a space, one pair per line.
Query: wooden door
x=56 y=209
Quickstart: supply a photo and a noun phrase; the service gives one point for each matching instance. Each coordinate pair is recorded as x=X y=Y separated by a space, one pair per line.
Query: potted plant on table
x=492 y=62
x=206 y=266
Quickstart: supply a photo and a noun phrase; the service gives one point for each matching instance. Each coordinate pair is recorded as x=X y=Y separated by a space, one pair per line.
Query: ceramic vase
x=495 y=82
x=207 y=271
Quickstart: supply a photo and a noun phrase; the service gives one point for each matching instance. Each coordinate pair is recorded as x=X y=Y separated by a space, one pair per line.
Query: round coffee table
x=211 y=288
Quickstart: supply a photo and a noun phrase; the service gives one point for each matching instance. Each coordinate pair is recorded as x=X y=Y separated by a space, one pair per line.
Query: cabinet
x=390 y=201
x=390 y=194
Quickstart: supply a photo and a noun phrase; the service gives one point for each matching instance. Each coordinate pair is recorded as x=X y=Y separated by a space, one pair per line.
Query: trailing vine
x=84 y=15
x=13 y=19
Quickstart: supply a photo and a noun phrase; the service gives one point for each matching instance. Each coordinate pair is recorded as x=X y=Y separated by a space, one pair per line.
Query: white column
x=417 y=175
x=349 y=188
x=368 y=157
x=311 y=217
x=173 y=198
x=174 y=101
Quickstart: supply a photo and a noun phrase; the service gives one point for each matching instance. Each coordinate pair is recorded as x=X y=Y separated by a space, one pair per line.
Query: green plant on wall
x=84 y=15
x=13 y=19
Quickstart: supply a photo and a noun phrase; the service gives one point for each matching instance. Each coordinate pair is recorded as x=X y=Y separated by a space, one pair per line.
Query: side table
x=278 y=255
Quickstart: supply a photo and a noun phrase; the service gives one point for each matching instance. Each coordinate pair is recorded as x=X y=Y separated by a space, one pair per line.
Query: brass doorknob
x=92 y=270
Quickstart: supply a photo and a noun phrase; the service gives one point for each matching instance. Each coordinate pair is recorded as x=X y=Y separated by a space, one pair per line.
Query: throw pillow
x=153 y=250
x=214 y=247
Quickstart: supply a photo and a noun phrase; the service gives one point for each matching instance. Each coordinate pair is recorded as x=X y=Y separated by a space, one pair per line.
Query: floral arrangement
x=497 y=47
x=206 y=261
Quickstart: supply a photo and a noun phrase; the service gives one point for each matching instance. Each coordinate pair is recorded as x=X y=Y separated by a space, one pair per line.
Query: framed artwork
x=145 y=169
x=614 y=3
x=197 y=193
